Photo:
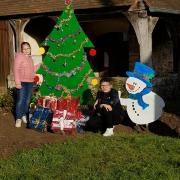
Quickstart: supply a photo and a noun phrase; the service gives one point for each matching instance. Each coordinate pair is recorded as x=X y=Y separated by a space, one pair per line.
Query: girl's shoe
x=24 y=119
x=18 y=123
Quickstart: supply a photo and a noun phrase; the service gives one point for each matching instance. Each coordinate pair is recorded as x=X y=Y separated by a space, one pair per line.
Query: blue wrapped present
x=40 y=119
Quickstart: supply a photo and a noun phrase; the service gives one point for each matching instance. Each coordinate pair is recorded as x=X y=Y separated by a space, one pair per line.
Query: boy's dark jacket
x=110 y=97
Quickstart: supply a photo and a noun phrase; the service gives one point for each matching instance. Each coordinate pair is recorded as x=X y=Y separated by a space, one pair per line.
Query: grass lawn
x=91 y=156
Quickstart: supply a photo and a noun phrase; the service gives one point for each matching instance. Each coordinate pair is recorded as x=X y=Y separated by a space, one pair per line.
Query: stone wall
x=162 y=57
x=168 y=87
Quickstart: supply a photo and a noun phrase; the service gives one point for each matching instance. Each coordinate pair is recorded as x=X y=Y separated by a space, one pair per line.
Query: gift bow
x=61 y=122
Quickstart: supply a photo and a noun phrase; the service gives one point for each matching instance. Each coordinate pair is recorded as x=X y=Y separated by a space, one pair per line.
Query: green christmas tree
x=65 y=67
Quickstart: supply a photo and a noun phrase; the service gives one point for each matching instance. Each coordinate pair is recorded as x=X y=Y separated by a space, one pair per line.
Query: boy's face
x=106 y=86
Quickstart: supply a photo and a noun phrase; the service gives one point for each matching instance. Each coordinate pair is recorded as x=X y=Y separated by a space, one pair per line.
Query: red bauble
x=36 y=79
x=92 y=52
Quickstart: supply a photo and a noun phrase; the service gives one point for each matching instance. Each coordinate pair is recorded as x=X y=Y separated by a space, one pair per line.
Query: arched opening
x=112 y=56
x=116 y=45
x=35 y=32
x=39 y=27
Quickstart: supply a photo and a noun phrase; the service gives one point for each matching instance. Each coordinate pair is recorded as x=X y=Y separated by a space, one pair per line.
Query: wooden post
x=4 y=52
x=143 y=26
x=18 y=26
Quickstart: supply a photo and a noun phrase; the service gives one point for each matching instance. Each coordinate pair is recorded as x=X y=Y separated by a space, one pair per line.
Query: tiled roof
x=19 y=7
x=164 y=6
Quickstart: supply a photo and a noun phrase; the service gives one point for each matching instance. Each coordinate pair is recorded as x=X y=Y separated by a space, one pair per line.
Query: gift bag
x=41 y=119
x=63 y=122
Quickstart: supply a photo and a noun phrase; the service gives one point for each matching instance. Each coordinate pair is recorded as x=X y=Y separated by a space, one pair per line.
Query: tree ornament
x=32 y=105
x=92 y=52
x=94 y=82
x=41 y=50
x=58 y=87
x=38 y=79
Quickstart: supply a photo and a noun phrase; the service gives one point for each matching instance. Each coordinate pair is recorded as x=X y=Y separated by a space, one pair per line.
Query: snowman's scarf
x=139 y=98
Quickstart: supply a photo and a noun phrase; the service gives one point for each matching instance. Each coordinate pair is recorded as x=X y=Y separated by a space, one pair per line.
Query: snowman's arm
x=123 y=101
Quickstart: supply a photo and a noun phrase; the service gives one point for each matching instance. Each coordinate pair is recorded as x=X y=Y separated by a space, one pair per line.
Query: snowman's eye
x=134 y=83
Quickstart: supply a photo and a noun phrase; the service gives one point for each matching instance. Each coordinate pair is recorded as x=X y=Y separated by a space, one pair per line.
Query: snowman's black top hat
x=143 y=73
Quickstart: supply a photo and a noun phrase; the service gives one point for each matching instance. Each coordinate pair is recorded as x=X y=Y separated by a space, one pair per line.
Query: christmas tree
x=65 y=67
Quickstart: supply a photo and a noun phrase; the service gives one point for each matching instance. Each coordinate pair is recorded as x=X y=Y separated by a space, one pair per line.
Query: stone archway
x=110 y=37
x=113 y=55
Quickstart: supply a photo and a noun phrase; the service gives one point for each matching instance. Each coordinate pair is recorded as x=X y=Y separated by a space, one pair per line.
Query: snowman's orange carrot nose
x=130 y=86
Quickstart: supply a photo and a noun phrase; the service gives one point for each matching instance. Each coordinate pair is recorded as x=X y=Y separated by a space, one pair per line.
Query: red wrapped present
x=41 y=101
x=73 y=103
x=79 y=114
x=69 y=103
x=51 y=102
x=61 y=104
x=47 y=101
x=62 y=122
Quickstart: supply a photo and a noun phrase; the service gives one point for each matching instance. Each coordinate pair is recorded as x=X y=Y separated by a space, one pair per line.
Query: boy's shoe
x=18 y=123
x=109 y=132
x=24 y=119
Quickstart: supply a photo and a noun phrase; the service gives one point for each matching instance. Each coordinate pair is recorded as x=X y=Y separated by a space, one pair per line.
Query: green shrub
x=7 y=100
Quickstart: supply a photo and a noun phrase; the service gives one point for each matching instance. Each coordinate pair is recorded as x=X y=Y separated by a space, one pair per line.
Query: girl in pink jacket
x=24 y=72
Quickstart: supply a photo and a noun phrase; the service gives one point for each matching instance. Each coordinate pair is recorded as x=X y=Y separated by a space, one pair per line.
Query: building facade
x=123 y=31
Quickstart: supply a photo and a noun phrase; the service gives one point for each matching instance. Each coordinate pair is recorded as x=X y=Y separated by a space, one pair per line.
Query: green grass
x=91 y=156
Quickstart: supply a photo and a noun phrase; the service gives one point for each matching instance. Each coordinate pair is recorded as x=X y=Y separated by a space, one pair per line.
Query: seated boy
x=107 y=107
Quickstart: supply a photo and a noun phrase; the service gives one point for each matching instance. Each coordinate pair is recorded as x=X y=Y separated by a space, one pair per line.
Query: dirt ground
x=13 y=139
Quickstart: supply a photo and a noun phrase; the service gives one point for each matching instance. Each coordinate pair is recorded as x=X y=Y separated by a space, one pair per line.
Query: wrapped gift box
x=63 y=121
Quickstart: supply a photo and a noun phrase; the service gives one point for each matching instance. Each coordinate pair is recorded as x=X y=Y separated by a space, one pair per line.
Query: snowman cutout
x=143 y=105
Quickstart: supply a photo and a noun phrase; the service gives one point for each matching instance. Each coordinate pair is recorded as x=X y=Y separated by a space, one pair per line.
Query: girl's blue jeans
x=23 y=98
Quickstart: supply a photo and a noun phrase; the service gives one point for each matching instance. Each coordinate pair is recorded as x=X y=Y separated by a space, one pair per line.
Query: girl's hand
x=18 y=86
